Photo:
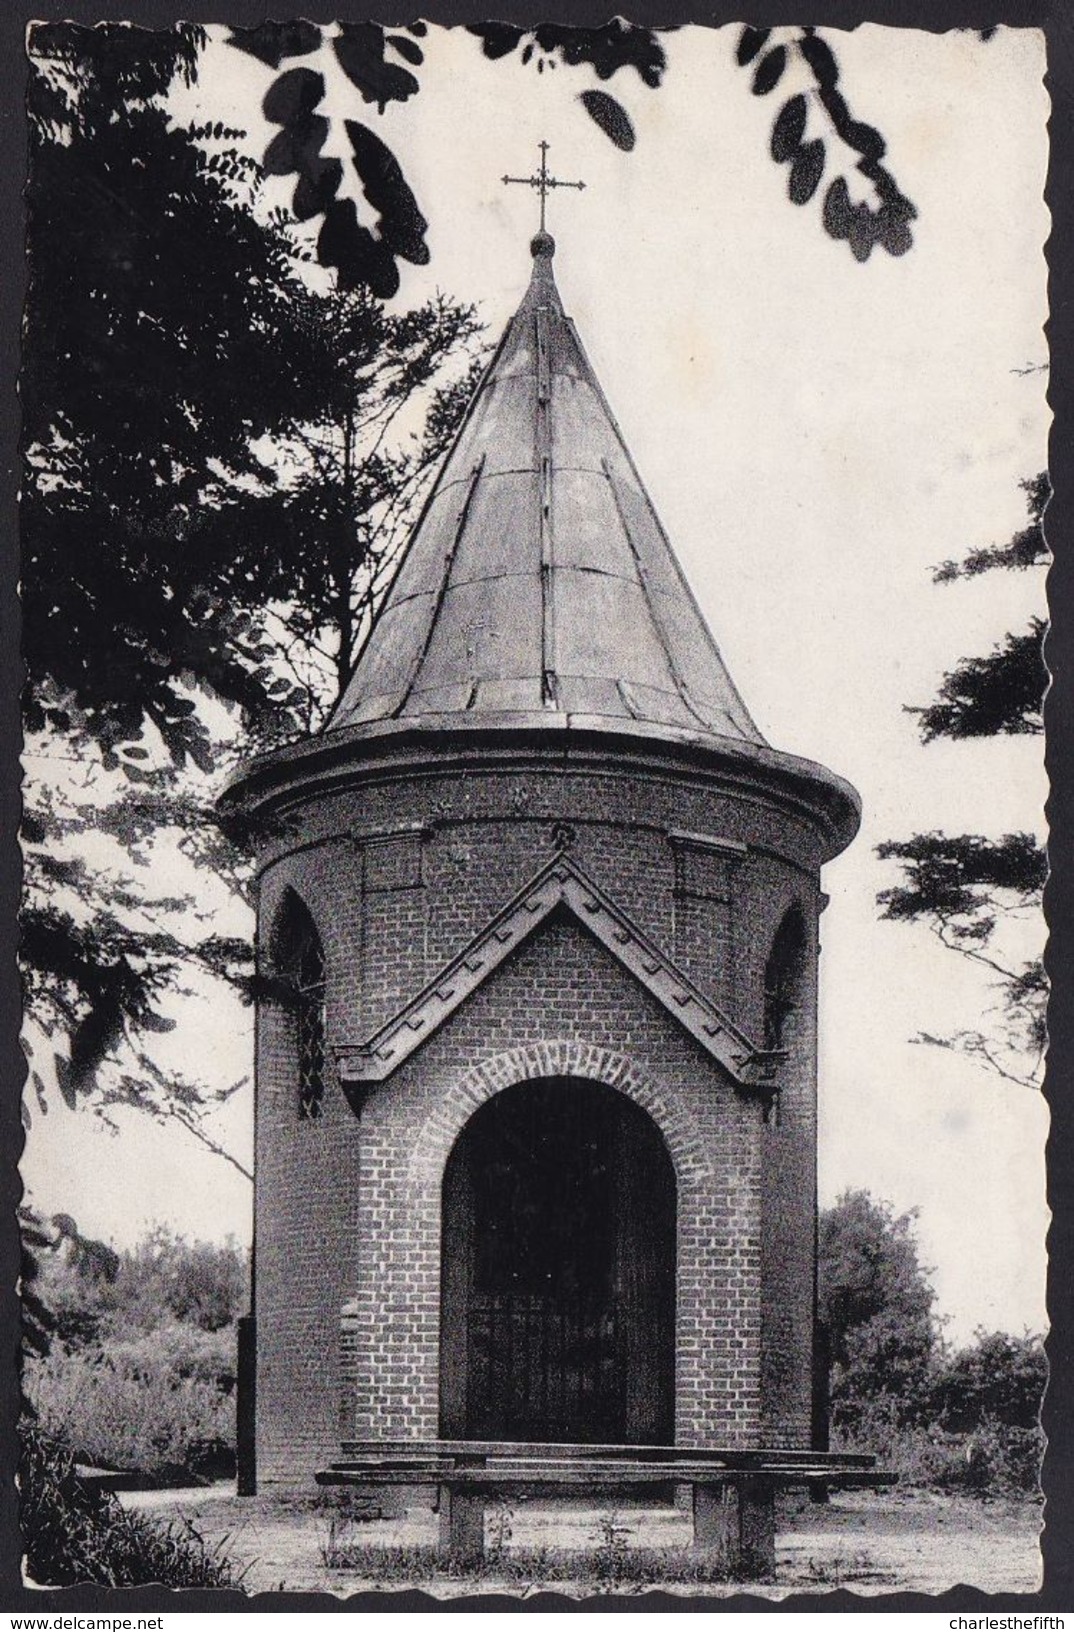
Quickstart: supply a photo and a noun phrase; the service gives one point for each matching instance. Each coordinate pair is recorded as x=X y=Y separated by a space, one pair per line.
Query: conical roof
x=538 y=582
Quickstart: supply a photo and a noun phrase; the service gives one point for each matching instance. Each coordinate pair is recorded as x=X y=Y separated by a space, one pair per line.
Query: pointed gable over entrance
x=539 y=580
x=561 y=883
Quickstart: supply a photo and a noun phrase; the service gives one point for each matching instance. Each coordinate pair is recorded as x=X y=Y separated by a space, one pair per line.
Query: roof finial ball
x=542 y=246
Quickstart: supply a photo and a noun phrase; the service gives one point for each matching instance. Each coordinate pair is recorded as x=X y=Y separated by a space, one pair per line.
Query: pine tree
x=969 y=889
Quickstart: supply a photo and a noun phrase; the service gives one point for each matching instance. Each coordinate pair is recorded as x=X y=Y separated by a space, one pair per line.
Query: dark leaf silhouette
x=272 y=42
x=317 y=185
x=360 y=49
x=806 y=171
x=611 y=116
x=821 y=58
x=293 y=96
x=862 y=227
x=401 y=224
x=893 y=227
x=297 y=149
x=412 y=52
x=788 y=129
x=860 y=223
x=617 y=45
x=378 y=61
x=769 y=71
x=838 y=210
x=361 y=256
x=497 y=39
x=360 y=259
x=863 y=138
x=750 y=42
x=889 y=224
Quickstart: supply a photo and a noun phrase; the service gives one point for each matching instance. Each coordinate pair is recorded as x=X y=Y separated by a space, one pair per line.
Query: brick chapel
x=536 y=1107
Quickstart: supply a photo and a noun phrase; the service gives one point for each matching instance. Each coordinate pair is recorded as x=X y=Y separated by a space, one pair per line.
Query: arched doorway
x=558 y=1271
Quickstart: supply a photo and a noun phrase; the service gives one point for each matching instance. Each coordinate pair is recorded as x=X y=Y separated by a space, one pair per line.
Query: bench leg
x=462 y=1526
x=757 y=1529
x=714 y=1519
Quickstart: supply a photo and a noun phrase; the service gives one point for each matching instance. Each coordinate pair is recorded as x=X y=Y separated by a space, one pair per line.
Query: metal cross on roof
x=543 y=181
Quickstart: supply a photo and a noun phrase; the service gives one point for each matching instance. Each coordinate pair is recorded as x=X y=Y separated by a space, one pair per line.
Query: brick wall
x=398 y=878
x=561 y=1005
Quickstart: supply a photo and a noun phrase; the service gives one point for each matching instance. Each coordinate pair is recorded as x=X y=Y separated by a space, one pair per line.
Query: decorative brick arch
x=301 y=878
x=555 y=1059
x=289 y=907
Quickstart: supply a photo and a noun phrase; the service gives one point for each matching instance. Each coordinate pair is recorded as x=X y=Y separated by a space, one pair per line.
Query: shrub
x=993 y=1460
x=73 y=1535
x=198 y=1283
x=158 y=1404
x=178 y=1350
x=998 y=1380
x=999 y=1459
x=165 y=1279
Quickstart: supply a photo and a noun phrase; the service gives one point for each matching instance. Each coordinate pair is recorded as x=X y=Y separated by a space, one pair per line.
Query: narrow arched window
x=783 y=979
x=309 y=1029
x=301 y=961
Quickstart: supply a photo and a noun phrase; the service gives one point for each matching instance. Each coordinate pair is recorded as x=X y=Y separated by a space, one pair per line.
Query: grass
x=73 y=1535
x=525 y=1567
x=846 y=1569
x=611 y=1565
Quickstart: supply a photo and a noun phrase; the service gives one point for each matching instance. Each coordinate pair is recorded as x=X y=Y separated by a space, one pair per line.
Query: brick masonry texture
x=348 y=1206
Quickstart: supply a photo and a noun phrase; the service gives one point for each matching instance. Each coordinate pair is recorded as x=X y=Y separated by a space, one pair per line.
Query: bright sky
x=816 y=435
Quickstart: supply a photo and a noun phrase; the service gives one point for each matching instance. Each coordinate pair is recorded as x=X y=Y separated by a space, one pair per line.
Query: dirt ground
x=870 y=1542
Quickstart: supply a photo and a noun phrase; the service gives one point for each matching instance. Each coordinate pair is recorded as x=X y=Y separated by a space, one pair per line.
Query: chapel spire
x=538 y=586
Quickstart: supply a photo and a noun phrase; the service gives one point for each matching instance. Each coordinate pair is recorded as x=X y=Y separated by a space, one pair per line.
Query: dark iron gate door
x=558 y=1282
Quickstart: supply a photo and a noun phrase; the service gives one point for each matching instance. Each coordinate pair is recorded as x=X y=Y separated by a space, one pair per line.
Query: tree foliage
x=802 y=57
x=366 y=229
x=220 y=460
x=149 y=366
x=103 y=952
x=975 y=892
x=138 y=1367
x=1028 y=547
x=960 y=1419
x=174 y=353
x=969 y=890
x=876 y=1302
x=999 y=694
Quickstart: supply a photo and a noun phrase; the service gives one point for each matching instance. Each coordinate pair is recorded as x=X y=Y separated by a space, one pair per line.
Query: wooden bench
x=733 y=1491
